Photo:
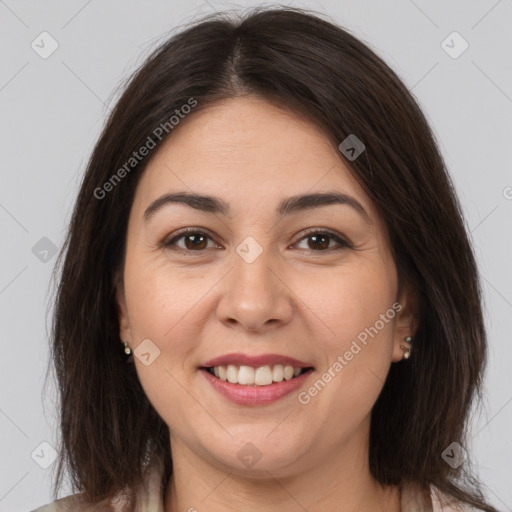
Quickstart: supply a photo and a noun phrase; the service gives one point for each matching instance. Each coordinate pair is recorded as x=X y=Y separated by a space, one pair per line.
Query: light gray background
x=53 y=109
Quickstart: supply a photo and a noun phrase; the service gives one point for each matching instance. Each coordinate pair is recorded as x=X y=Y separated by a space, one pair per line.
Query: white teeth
x=246 y=375
x=277 y=373
x=261 y=376
x=288 y=372
x=232 y=374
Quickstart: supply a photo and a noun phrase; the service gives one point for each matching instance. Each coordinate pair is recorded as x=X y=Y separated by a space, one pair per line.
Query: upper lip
x=255 y=361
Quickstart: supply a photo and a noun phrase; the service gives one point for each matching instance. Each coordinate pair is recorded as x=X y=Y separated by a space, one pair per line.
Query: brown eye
x=318 y=241
x=194 y=241
x=197 y=241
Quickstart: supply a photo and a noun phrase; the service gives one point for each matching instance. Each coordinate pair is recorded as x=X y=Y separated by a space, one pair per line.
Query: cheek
x=357 y=348
x=159 y=298
x=357 y=322
x=348 y=302
x=161 y=307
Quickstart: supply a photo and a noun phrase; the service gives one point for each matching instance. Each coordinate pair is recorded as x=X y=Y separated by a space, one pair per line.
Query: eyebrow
x=216 y=205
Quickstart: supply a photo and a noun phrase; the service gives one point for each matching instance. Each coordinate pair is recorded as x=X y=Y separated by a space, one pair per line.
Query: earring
x=407 y=352
x=127 y=349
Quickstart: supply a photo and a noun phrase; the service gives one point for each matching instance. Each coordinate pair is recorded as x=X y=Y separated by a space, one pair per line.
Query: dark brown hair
x=309 y=65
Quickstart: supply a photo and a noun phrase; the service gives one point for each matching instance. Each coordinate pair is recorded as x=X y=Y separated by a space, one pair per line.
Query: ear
x=124 y=320
x=406 y=322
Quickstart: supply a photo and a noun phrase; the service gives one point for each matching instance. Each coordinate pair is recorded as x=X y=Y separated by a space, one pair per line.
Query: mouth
x=260 y=376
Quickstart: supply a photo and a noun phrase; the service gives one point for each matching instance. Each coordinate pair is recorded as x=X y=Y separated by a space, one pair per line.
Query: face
x=310 y=285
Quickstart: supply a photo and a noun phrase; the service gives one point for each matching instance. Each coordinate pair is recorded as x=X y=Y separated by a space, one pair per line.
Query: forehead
x=249 y=152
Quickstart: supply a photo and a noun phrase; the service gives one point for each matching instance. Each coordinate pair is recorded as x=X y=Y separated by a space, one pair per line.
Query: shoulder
x=441 y=502
x=148 y=497
x=76 y=503
x=417 y=499
x=69 y=503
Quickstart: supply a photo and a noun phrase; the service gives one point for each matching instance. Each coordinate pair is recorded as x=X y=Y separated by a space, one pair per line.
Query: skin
x=298 y=298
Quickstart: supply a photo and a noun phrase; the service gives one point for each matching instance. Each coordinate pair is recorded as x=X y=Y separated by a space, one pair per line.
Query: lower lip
x=256 y=395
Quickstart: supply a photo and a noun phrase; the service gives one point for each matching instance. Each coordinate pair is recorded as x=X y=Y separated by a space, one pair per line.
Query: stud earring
x=407 y=350
x=127 y=349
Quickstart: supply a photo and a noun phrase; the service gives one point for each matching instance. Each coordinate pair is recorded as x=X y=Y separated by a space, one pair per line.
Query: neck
x=340 y=482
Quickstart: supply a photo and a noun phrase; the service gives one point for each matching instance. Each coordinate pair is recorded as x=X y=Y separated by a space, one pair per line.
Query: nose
x=255 y=297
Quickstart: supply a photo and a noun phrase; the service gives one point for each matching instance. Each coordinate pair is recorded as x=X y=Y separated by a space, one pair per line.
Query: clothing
x=150 y=498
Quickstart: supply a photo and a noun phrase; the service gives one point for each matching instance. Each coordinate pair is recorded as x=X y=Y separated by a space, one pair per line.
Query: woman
x=266 y=232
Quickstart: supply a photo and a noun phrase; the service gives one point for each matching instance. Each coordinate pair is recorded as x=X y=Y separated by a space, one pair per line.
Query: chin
x=257 y=451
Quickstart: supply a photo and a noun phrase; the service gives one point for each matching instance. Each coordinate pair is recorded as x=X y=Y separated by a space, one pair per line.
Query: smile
x=259 y=376
x=252 y=394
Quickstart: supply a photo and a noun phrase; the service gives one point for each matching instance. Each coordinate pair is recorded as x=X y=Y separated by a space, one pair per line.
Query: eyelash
x=343 y=244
